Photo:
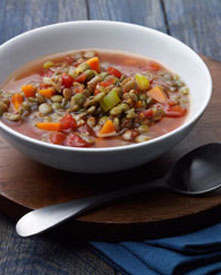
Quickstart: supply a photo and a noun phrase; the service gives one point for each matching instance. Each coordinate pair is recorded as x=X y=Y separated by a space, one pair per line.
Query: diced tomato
x=153 y=66
x=68 y=122
x=148 y=113
x=57 y=138
x=114 y=72
x=171 y=103
x=67 y=80
x=96 y=92
x=69 y=59
x=47 y=73
x=81 y=78
x=75 y=140
x=175 y=111
x=134 y=134
x=78 y=90
x=124 y=91
x=85 y=129
x=43 y=86
x=107 y=82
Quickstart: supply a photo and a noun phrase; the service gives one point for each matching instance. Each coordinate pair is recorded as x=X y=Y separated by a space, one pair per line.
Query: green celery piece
x=142 y=82
x=82 y=67
x=110 y=100
x=48 y=64
x=72 y=72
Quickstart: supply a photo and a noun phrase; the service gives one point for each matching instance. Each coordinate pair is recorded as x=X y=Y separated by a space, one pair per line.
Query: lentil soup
x=93 y=98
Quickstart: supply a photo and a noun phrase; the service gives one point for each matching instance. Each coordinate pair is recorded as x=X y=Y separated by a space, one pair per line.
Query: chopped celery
x=142 y=82
x=48 y=64
x=72 y=72
x=82 y=67
x=110 y=100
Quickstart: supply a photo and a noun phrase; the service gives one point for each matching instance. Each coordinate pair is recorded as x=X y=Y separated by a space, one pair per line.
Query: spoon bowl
x=197 y=172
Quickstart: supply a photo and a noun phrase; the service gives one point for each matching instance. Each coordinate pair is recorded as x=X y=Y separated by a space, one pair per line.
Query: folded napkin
x=192 y=254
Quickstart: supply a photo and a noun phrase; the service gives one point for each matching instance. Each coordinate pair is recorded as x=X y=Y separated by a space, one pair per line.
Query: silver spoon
x=197 y=172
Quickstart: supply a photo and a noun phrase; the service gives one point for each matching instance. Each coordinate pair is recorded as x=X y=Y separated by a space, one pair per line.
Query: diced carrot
x=158 y=94
x=17 y=100
x=94 y=63
x=107 y=128
x=138 y=104
x=28 y=90
x=175 y=111
x=49 y=92
x=154 y=66
x=49 y=126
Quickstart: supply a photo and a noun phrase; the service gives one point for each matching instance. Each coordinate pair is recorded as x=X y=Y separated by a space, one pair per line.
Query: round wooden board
x=26 y=185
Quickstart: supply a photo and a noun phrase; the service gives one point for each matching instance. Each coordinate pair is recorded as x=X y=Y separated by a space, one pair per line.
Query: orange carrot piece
x=28 y=90
x=138 y=104
x=175 y=111
x=47 y=92
x=107 y=128
x=158 y=94
x=178 y=108
x=94 y=63
x=154 y=66
x=17 y=100
x=49 y=126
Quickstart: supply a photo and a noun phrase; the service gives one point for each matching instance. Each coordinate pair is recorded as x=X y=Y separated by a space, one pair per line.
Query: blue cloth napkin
x=192 y=254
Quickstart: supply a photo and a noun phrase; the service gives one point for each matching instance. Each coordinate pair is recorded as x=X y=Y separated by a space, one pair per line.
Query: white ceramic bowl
x=106 y=35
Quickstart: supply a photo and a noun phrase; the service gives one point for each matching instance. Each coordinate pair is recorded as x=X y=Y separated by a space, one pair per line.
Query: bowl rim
x=183 y=126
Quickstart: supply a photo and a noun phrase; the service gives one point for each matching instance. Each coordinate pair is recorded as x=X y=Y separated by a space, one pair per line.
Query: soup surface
x=93 y=98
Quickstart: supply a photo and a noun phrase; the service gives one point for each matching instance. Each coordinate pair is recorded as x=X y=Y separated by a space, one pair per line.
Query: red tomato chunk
x=68 y=122
x=75 y=140
x=114 y=72
x=67 y=80
x=57 y=138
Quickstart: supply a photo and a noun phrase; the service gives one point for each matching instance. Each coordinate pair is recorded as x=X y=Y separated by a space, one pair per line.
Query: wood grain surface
x=195 y=22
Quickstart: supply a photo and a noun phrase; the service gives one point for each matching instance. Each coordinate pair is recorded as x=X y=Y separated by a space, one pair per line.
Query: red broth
x=128 y=65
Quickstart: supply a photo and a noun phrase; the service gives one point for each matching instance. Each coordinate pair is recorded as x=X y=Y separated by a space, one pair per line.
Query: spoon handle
x=42 y=219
